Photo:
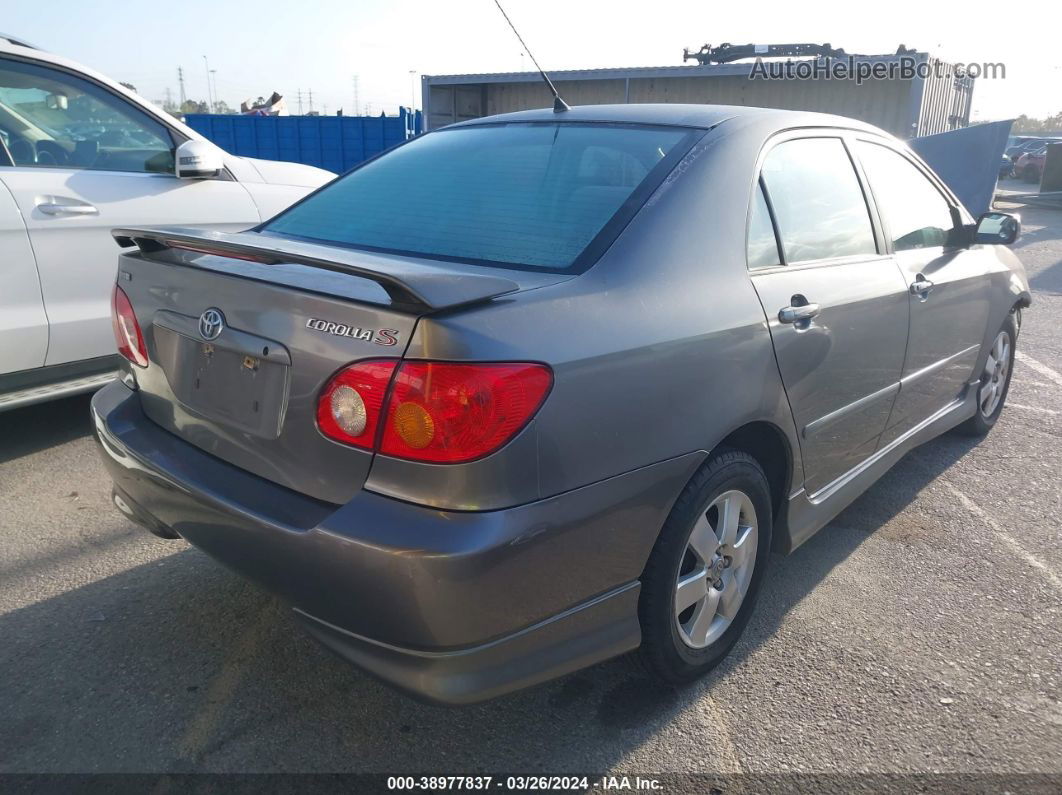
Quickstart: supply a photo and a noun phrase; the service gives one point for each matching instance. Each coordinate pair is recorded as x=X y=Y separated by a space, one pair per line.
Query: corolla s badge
x=211 y=322
x=382 y=336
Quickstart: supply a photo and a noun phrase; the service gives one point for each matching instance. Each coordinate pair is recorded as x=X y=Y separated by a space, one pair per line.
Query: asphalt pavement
x=920 y=632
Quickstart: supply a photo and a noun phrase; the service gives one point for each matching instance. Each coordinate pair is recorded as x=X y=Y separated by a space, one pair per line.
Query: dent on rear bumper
x=448 y=604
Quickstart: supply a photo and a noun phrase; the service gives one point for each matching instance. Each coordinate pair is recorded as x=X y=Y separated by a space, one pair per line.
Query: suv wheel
x=701 y=582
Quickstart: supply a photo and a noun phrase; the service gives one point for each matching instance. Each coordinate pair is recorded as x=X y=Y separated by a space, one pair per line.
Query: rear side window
x=762 y=244
x=525 y=195
x=917 y=214
x=817 y=201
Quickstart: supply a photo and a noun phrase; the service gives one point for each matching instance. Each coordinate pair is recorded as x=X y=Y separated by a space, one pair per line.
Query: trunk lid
x=243 y=331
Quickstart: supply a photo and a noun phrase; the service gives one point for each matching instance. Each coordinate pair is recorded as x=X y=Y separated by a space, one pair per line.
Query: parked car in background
x=565 y=399
x=1028 y=145
x=1030 y=166
x=79 y=155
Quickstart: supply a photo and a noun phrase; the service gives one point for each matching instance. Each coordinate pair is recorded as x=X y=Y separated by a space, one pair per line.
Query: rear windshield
x=525 y=195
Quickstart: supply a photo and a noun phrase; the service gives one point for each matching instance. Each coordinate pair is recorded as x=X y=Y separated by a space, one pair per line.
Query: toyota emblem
x=211 y=322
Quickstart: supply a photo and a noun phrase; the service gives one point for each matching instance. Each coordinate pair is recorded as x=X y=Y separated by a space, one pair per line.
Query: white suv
x=80 y=155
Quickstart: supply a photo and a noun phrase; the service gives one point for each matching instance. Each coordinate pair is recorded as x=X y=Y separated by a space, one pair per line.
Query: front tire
x=995 y=380
x=700 y=585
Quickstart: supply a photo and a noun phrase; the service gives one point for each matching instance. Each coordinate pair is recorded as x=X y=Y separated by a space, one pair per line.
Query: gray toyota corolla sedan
x=535 y=390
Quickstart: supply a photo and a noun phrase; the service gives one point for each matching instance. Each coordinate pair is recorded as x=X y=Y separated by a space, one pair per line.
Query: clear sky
x=320 y=45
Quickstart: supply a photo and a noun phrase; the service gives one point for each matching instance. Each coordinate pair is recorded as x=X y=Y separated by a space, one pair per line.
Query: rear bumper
x=454 y=607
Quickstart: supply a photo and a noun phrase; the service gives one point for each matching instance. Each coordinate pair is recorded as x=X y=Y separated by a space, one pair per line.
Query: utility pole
x=357 y=108
x=214 y=76
x=311 y=99
x=210 y=93
x=299 y=95
x=412 y=89
x=169 y=99
x=180 y=81
x=324 y=109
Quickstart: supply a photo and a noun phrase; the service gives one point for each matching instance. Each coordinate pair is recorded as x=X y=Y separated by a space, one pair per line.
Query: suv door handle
x=50 y=206
x=921 y=287
x=799 y=315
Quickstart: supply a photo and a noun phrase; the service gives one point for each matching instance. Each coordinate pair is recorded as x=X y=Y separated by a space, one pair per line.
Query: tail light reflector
x=439 y=412
x=351 y=405
x=127 y=332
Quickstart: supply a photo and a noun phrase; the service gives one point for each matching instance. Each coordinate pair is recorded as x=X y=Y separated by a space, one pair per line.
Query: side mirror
x=998 y=229
x=198 y=160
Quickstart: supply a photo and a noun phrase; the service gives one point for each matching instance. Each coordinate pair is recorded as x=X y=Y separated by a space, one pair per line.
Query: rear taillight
x=126 y=329
x=447 y=413
x=440 y=412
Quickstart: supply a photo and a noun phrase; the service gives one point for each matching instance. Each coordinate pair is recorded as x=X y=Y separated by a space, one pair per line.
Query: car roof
x=675 y=114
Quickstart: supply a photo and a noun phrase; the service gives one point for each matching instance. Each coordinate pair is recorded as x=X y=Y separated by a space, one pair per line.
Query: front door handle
x=921 y=287
x=51 y=205
x=799 y=315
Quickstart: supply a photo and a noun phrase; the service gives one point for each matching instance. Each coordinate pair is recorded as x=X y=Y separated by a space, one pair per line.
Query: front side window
x=525 y=195
x=49 y=118
x=917 y=214
x=817 y=201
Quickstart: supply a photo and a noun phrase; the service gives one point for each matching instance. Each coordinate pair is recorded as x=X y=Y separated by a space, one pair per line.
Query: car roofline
x=18 y=41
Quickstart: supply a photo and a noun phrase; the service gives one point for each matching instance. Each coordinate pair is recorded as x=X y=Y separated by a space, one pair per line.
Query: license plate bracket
x=240 y=382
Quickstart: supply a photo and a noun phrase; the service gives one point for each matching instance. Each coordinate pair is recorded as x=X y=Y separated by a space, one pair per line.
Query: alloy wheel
x=994 y=377
x=716 y=569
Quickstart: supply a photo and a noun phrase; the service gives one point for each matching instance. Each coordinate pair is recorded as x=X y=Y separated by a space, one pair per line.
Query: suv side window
x=50 y=118
x=762 y=247
x=916 y=213
x=818 y=204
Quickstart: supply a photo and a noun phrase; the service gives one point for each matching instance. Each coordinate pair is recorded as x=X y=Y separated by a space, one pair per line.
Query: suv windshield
x=524 y=195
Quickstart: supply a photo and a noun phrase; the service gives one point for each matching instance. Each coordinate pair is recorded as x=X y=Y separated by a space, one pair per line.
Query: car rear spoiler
x=414 y=283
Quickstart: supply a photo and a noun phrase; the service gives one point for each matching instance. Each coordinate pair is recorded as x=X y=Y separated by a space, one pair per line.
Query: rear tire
x=995 y=380
x=700 y=585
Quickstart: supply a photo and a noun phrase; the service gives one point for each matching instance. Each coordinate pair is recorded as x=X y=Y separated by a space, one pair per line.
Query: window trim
x=844 y=135
x=761 y=188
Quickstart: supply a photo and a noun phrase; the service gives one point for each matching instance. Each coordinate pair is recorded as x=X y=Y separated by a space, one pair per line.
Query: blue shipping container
x=336 y=143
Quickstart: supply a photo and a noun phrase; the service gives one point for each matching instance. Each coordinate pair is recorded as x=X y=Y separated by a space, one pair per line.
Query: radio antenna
x=559 y=105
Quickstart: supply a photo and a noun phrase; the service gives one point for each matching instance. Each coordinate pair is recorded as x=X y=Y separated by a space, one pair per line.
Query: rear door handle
x=53 y=205
x=800 y=315
x=921 y=287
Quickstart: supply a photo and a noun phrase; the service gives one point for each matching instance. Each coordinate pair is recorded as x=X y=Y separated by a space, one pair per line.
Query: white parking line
x=1012 y=405
x=1042 y=369
x=1004 y=536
